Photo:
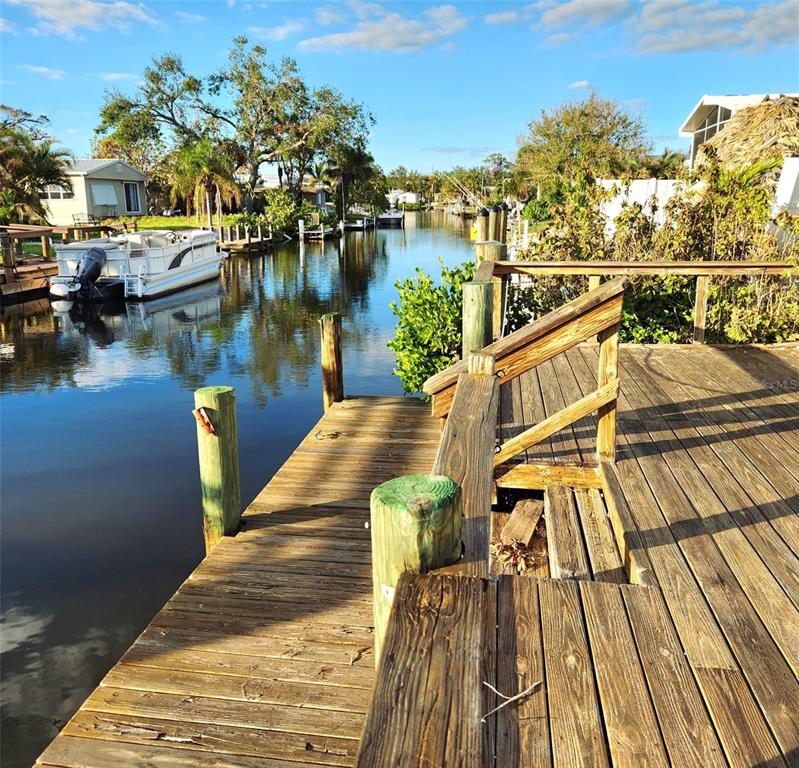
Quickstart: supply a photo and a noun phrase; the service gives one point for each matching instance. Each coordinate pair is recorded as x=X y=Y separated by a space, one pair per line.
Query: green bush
x=428 y=335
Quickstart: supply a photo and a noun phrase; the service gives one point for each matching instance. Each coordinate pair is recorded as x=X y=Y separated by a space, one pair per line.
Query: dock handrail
x=595 y=312
x=595 y=270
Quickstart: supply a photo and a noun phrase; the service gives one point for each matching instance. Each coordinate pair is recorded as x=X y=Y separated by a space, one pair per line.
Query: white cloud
x=680 y=26
x=190 y=18
x=560 y=38
x=501 y=17
x=64 y=17
x=327 y=15
x=559 y=14
x=383 y=30
x=580 y=85
x=50 y=74
x=113 y=77
x=7 y=27
x=281 y=32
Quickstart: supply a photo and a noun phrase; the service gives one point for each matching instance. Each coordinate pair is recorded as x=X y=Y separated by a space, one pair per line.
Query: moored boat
x=135 y=265
x=392 y=218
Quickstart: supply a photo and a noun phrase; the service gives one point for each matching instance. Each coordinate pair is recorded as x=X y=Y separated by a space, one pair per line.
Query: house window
x=132 y=198
x=103 y=194
x=52 y=192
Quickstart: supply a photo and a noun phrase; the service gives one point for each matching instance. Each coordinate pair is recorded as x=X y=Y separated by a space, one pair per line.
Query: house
x=100 y=188
x=712 y=113
x=396 y=197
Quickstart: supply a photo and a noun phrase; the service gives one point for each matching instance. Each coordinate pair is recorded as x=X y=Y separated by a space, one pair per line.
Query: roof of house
x=84 y=167
x=759 y=133
x=707 y=103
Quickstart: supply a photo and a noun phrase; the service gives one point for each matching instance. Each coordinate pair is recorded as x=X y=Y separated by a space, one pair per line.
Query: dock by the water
x=264 y=656
x=653 y=493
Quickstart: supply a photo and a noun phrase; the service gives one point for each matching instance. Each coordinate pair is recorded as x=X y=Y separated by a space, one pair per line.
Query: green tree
x=30 y=161
x=202 y=173
x=668 y=165
x=579 y=140
x=256 y=111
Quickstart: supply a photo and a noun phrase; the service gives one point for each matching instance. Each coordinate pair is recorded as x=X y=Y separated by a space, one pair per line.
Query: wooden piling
x=700 y=308
x=490 y=250
x=416 y=527
x=477 y=316
x=217 y=446
x=594 y=281
x=332 y=373
x=481 y=225
x=7 y=248
x=502 y=223
x=493 y=224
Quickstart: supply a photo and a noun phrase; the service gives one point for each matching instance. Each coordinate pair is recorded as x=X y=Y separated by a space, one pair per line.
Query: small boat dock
x=651 y=494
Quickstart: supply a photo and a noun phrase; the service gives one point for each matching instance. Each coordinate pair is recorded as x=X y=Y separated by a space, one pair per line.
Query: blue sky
x=447 y=83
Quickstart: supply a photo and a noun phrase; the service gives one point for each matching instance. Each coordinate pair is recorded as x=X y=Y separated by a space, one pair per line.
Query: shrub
x=428 y=335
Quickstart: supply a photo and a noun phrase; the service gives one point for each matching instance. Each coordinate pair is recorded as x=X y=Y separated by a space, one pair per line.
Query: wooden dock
x=264 y=655
x=677 y=643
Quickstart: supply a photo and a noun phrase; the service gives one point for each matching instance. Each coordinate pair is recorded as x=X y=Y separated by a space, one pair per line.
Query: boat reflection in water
x=109 y=321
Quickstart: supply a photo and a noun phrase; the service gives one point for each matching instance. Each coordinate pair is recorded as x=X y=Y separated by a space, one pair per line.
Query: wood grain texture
x=522 y=729
x=465 y=454
x=575 y=719
x=527 y=348
x=429 y=698
x=687 y=730
x=219 y=464
x=603 y=555
x=567 y=556
x=523 y=521
x=265 y=655
x=556 y=422
x=582 y=305
x=416 y=527
x=332 y=371
x=633 y=733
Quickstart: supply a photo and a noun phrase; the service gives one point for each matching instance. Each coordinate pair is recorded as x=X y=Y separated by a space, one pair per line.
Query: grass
x=170 y=222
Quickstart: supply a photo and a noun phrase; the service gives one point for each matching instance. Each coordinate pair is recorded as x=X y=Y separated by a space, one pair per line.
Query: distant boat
x=366 y=222
x=392 y=218
x=319 y=233
x=135 y=265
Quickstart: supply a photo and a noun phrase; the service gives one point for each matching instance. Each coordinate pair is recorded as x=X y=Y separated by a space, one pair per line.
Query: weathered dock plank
x=264 y=656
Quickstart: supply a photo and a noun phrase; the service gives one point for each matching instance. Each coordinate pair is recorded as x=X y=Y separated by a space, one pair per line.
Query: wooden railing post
x=700 y=308
x=332 y=373
x=478 y=316
x=607 y=373
x=416 y=527
x=217 y=446
x=594 y=281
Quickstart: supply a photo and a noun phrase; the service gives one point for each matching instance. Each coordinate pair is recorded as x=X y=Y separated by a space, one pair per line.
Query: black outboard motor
x=91 y=267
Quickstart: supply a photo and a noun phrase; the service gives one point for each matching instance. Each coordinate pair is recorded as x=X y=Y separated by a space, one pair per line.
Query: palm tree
x=28 y=165
x=201 y=171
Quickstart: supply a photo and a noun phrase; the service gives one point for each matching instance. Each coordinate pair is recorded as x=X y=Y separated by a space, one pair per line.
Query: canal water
x=99 y=494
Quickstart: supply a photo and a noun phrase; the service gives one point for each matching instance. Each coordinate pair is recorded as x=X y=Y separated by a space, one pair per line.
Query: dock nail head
x=204 y=421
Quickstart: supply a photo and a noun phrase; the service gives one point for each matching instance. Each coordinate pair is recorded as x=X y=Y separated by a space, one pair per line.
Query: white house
x=100 y=189
x=397 y=197
x=712 y=113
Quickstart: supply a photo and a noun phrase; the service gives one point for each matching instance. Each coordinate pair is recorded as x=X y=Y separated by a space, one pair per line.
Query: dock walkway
x=264 y=657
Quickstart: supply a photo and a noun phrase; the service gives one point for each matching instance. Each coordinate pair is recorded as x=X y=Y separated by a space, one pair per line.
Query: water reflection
x=99 y=494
